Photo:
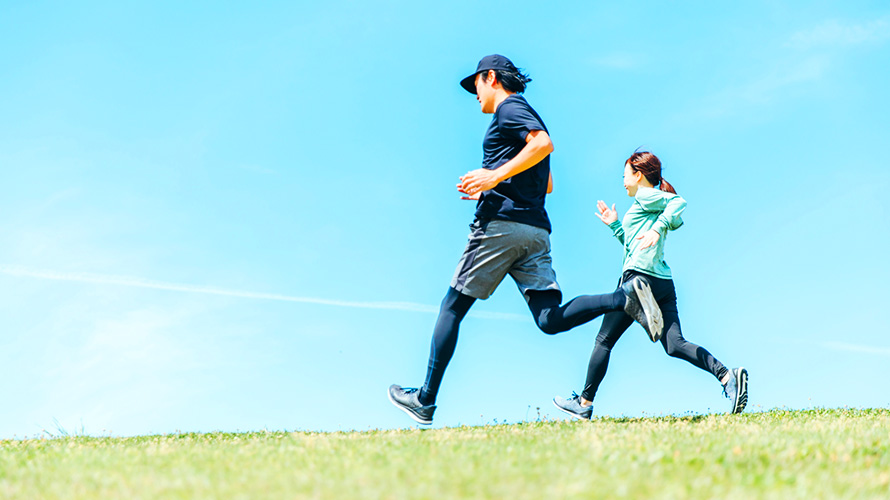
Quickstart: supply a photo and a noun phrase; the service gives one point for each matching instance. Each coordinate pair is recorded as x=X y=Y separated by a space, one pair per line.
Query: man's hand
x=649 y=238
x=474 y=182
x=607 y=215
x=475 y=197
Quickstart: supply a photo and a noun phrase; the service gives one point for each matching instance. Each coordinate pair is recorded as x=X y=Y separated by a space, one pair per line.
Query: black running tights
x=616 y=323
x=550 y=317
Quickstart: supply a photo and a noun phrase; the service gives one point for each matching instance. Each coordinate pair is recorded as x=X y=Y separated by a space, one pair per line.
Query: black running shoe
x=736 y=389
x=573 y=406
x=407 y=400
x=642 y=306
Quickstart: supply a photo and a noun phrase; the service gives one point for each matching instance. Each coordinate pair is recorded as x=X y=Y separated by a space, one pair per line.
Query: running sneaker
x=407 y=399
x=642 y=306
x=573 y=406
x=736 y=389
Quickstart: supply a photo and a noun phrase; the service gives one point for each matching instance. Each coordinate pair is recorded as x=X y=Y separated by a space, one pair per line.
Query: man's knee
x=456 y=303
x=542 y=304
x=546 y=325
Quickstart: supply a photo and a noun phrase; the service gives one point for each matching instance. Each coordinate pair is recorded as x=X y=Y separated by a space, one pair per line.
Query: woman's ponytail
x=666 y=187
x=650 y=166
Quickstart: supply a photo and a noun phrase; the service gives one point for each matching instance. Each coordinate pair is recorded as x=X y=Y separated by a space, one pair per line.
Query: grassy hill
x=823 y=453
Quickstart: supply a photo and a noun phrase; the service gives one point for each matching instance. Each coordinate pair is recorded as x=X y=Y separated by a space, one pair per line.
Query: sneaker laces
x=412 y=390
x=729 y=393
x=577 y=399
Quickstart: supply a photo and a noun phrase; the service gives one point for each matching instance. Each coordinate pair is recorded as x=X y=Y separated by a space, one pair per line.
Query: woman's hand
x=607 y=215
x=649 y=238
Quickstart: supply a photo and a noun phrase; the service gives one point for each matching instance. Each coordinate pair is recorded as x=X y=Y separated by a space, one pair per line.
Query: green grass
x=822 y=453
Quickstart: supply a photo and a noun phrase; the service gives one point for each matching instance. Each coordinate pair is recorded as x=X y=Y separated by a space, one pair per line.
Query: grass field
x=778 y=454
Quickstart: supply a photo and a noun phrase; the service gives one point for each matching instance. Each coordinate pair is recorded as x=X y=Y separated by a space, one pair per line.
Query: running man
x=642 y=232
x=510 y=233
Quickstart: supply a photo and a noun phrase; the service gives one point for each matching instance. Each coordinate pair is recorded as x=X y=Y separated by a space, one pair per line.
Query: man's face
x=485 y=92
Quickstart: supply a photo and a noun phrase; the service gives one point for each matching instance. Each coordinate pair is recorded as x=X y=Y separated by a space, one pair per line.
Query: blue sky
x=244 y=217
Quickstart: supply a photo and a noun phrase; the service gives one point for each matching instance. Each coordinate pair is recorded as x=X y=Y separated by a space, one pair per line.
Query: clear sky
x=223 y=217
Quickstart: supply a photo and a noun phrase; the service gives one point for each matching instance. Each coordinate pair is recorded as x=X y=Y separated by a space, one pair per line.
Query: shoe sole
x=650 y=308
x=579 y=417
x=741 y=395
x=406 y=410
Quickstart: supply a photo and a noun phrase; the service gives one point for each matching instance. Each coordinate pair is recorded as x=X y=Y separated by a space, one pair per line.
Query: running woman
x=511 y=234
x=642 y=232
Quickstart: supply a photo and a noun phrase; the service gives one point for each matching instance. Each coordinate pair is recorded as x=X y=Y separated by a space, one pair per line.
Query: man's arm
x=475 y=197
x=537 y=147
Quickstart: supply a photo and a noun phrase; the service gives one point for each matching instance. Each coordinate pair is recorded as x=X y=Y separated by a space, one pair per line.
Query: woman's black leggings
x=550 y=317
x=616 y=323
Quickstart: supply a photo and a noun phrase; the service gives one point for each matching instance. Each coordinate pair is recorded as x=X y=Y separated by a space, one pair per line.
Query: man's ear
x=492 y=78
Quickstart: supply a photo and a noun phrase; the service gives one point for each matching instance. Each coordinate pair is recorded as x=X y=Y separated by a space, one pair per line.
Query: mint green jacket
x=652 y=209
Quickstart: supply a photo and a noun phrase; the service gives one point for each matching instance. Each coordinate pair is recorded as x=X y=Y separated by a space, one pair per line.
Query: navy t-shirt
x=521 y=197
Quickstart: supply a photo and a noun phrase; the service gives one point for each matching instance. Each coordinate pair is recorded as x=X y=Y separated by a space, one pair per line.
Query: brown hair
x=650 y=166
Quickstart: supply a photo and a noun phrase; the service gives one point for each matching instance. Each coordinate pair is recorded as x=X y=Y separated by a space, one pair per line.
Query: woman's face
x=631 y=180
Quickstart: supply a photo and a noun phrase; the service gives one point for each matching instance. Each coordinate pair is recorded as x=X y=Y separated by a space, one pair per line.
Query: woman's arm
x=670 y=206
x=670 y=217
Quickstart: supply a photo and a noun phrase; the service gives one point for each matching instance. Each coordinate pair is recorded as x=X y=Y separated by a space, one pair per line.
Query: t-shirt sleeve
x=516 y=120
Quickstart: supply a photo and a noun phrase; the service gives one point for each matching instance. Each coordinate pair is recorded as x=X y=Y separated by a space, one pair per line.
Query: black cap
x=494 y=61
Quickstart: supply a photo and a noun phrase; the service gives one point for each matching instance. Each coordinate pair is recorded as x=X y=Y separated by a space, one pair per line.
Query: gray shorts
x=498 y=247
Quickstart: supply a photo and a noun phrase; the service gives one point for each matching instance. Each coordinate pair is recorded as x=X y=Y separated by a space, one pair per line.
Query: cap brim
x=469 y=83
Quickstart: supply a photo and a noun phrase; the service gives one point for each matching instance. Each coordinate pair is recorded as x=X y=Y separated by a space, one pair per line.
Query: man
x=510 y=233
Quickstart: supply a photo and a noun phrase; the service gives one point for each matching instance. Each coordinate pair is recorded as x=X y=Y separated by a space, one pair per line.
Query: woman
x=642 y=232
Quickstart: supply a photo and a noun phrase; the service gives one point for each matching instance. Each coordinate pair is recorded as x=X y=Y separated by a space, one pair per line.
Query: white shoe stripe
x=741 y=389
